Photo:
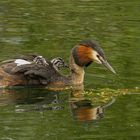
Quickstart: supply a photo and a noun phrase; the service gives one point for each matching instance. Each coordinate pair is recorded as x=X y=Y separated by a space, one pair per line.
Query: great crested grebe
x=82 y=55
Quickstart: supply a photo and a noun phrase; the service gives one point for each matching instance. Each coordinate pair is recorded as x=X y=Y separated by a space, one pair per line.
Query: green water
x=109 y=107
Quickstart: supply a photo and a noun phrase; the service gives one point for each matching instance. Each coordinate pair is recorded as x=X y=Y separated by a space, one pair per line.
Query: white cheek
x=20 y=62
x=95 y=58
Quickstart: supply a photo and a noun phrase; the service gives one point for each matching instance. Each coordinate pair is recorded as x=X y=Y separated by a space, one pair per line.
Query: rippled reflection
x=85 y=110
x=30 y=110
x=27 y=100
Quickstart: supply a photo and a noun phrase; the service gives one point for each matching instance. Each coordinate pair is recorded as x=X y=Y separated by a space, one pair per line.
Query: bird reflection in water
x=41 y=100
x=83 y=110
x=26 y=100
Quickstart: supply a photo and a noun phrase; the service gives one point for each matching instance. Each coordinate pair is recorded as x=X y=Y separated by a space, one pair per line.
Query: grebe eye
x=98 y=55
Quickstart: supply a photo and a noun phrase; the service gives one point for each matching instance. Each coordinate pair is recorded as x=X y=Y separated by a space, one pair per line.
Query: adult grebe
x=82 y=55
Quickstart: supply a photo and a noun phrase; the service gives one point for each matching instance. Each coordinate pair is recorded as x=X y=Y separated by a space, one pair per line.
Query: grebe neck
x=77 y=72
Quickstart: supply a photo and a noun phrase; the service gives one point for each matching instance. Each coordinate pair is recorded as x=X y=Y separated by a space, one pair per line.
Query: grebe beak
x=108 y=66
x=102 y=60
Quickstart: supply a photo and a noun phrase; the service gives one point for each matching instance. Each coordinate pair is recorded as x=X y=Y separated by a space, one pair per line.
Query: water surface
x=109 y=106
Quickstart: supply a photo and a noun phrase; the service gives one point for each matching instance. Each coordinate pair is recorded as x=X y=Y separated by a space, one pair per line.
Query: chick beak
x=66 y=65
x=108 y=66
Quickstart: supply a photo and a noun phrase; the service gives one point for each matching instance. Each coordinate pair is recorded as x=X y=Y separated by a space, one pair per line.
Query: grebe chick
x=82 y=55
x=57 y=62
x=40 y=60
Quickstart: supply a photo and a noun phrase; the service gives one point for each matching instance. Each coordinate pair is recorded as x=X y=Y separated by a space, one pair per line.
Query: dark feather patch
x=36 y=72
x=75 y=56
x=88 y=64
